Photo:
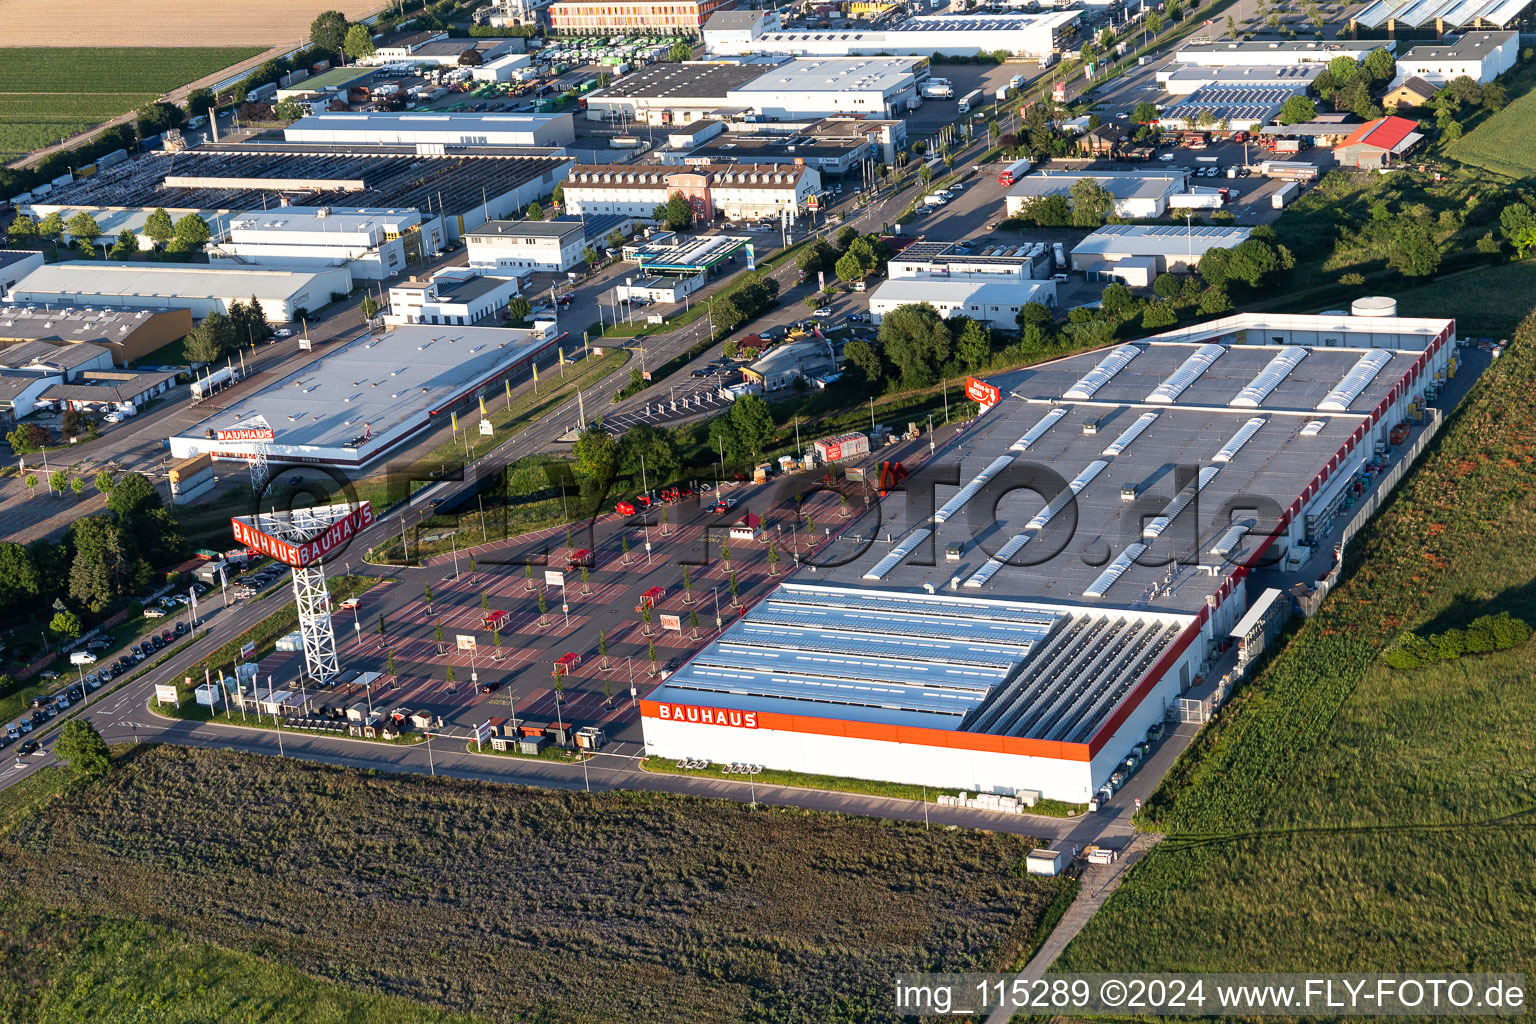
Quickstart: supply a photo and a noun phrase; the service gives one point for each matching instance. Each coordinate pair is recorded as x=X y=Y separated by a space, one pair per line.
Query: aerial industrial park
x=594 y=510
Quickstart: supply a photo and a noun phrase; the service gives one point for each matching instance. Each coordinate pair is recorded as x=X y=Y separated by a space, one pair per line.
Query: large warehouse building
x=378 y=128
x=952 y=35
x=369 y=396
x=373 y=244
x=1022 y=631
x=1261 y=52
x=128 y=334
x=464 y=186
x=199 y=288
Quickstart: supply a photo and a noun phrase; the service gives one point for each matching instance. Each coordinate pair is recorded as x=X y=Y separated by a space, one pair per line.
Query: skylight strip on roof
x=899 y=552
x=1179 y=503
x=1116 y=569
x=1231 y=537
x=1100 y=375
x=1131 y=433
x=968 y=492
x=1037 y=431
x=1243 y=436
x=1355 y=381
x=1187 y=373
x=1016 y=543
x=1269 y=378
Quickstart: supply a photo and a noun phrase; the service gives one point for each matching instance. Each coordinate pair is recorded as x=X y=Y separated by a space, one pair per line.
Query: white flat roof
x=423 y=122
x=934 y=289
x=1159 y=240
x=318 y=218
x=195 y=280
x=386 y=381
x=835 y=74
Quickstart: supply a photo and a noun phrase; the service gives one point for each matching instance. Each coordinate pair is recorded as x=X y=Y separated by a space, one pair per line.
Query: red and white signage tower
x=258 y=432
x=302 y=538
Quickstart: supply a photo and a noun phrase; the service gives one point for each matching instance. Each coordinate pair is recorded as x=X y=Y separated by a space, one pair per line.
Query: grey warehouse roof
x=683 y=81
x=1160 y=239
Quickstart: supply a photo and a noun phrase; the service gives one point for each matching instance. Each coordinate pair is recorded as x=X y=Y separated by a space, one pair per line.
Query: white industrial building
x=1139 y=195
x=953 y=35
x=1277 y=51
x=16 y=264
x=511 y=247
x=1026 y=657
x=993 y=302
x=1183 y=79
x=819 y=87
x=1134 y=254
x=513 y=67
x=200 y=288
x=967 y=260
x=453 y=295
x=372 y=244
x=1480 y=56
x=381 y=128
x=362 y=400
x=20 y=391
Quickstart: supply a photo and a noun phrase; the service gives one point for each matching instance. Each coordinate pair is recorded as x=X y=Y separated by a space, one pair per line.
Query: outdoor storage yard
x=508 y=902
x=102 y=23
x=50 y=94
x=1343 y=815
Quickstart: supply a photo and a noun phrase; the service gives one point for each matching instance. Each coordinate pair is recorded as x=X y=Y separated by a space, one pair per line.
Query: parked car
x=822 y=313
x=154 y=613
x=282 y=332
x=29 y=747
x=490 y=687
x=181 y=629
x=82 y=658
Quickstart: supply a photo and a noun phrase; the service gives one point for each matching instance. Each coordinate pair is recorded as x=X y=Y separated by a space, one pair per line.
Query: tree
x=1033 y=314
x=83 y=227
x=646 y=448
x=82 y=746
x=1092 y=203
x=519 y=308
x=1144 y=113
x=289 y=110
x=51 y=227
x=126 y=246
x=681 y=51
x=1159 y=316
x=57 y=481
x=817 y=256
x=31 y=482
x=1053 y=211
x=752 y=423
x=860 y=356
x=28 y=437
x=1379 y=67
x=1413 y=252
x=22 y=231
x=211 y=340
x=590 y=256
x=66 y=626
x=1166 y=286
x=849 y=269
x=158 y=227
x=1517 y=222
x=358 y=43
x=679 y=213
x=916 y=341
x=328 y=31
x=535 y=211
x=1297 y=109
x=191 y=235
x=974 y=343
x=597 y=454
x=103 y=566
x=200 y=103
x=369 y=307
x=77 y=485
x=20 y=582
x=1214 y=300
x=158 y=118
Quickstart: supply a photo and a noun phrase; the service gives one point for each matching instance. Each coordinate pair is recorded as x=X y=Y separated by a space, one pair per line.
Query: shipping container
x=841 y=446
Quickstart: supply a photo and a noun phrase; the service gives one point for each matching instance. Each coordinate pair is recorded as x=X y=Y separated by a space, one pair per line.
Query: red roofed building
x=1375 y=143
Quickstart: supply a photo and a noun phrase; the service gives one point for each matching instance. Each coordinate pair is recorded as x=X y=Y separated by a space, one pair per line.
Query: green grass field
x=507 y=902
x=1343 y=816
x=49 y=94
x=1501 y=144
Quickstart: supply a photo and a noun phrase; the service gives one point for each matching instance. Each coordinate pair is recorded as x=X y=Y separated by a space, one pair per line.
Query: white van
x=350 y=603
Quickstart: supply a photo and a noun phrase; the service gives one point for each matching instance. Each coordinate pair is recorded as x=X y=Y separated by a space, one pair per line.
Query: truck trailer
x=1284 y=194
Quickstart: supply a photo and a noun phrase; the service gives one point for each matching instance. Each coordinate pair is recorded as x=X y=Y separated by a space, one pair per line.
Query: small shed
x=748 y=527
x=1043 y=862
x=567 y=663
x=532 y=745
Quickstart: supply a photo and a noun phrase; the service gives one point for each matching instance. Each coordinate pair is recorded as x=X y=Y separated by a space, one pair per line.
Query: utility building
x=372 y=244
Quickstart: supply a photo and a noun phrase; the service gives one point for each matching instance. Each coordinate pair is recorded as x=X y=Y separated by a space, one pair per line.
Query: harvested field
x=100 y=23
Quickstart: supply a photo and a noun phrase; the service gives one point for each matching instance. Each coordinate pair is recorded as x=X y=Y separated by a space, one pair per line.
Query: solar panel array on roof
x=1355 y=381
x=1100 y=375
x=1269 y=378
x=1187 y=373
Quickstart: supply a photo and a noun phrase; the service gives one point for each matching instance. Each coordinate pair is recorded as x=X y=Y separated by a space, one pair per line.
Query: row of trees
x=751 y=298
x=851 y=256
x=100 y=558
x=186 y=235
x=221 y=334
x=1087 y=204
